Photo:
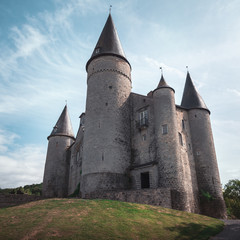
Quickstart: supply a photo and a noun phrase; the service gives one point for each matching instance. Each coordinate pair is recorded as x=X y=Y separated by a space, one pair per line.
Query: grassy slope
x=102 y=219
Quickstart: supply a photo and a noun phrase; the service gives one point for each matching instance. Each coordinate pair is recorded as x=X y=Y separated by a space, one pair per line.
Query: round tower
x=167 y=142
x=106 y=149
x=209 y=185
x=55 y=181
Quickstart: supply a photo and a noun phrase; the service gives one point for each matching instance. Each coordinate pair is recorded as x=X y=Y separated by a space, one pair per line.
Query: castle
x=135 y=143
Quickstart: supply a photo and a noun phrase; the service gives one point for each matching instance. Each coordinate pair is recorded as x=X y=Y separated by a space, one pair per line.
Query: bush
x=232 y=198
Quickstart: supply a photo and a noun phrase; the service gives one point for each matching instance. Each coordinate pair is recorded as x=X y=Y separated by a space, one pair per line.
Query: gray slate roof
x=108 y=43
x=163 y=84
x=191 y=98
x=63 y=126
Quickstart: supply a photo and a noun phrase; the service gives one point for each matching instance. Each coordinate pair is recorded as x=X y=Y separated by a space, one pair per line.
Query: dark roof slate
x=191 y=98
x=163 y=84
x=63 y=126
x=108 y=43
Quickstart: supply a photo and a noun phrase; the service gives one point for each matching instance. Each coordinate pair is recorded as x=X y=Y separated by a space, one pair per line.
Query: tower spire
x=108 y=42
x=162 y=83
x=63 y=127
x=191 y=98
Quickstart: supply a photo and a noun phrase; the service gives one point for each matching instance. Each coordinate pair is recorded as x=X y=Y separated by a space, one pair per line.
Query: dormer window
x=97 y=50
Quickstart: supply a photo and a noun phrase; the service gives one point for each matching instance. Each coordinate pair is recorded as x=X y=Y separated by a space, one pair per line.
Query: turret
x=55 y=181
x=167 y=142
x=211 y=198
x=106 y=149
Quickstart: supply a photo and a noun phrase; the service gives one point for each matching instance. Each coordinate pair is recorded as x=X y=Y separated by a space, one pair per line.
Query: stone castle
x=145 y=148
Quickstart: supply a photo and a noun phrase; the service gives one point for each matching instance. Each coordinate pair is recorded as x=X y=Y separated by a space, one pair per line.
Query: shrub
x=232 y=198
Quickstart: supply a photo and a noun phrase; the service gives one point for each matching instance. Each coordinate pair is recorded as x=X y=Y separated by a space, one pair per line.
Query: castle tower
x=106 y=149
x=55 y=181
x=167 y=142
x=204 y=152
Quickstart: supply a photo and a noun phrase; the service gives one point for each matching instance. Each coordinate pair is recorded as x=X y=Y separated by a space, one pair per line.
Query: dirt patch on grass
x=40 y=228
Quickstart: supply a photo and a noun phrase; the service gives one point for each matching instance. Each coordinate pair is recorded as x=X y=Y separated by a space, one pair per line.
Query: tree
x=232 y=197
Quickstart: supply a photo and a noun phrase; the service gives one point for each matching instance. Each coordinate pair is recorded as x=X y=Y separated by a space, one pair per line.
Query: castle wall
x=56 y=174
x=107 y=156
x=187 y=159
x=206 y=163
x=75 y=169
x=143 y=142
x=158 y=196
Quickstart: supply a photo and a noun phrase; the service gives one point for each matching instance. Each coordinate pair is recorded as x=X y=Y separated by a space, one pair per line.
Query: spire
x=63 y=126
x=191 y=98
x=108 y=43
x=162 y=82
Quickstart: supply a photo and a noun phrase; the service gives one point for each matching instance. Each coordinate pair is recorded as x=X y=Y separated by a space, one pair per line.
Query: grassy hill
x=102 y=219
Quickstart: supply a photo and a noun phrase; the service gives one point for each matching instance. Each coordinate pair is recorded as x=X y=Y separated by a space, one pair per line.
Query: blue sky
x=45 y=45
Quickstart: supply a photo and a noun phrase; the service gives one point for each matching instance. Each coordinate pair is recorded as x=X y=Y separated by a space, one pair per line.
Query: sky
x=44 y=47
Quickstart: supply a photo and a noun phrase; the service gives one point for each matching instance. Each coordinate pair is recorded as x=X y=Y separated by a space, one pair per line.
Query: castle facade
x=127 y=141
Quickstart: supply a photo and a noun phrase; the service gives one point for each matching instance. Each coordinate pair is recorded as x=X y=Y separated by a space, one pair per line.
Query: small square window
x=164 y=129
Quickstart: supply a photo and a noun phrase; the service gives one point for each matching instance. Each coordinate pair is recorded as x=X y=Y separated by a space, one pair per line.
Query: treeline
x=33 y=189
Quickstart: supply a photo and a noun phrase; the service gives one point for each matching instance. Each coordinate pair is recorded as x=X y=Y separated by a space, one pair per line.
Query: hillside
x=102 y=219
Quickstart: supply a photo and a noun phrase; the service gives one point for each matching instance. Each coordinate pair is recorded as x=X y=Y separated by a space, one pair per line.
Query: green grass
x=102 y=219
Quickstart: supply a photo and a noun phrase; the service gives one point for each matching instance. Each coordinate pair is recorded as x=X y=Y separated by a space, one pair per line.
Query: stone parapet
x=158 y=196
x=10 y=200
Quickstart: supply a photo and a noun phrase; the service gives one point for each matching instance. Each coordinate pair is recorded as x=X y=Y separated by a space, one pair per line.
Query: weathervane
x=66 y=102
x=161 y=70
x=110 y=8
x=187 y=68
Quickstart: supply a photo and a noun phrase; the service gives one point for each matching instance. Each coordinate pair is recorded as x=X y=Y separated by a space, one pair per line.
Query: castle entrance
x=145 y=183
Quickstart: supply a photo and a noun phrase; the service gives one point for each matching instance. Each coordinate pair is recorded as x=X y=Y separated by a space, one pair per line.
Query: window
x=97 y=50
x=145 y=183
x=164 y=129
x=144 y=137
x=143 y=118
x=180 y=138
x=183 y=124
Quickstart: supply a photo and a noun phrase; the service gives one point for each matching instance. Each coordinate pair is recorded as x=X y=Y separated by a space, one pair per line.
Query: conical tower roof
x=191 y=98
x=108 y=43
x=163 y=84
x=63 y=126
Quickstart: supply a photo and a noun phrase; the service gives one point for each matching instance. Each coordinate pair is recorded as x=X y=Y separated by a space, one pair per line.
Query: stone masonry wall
x=187 y=159
x=75 y=168
x=10 y=200
x=158 y=197
x=143 y=140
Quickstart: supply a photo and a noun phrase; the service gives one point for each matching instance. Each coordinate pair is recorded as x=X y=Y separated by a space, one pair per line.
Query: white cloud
x=236 y=92
x=27 y=40
x=6 y=138
x=20 y=164
x=23 y=165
